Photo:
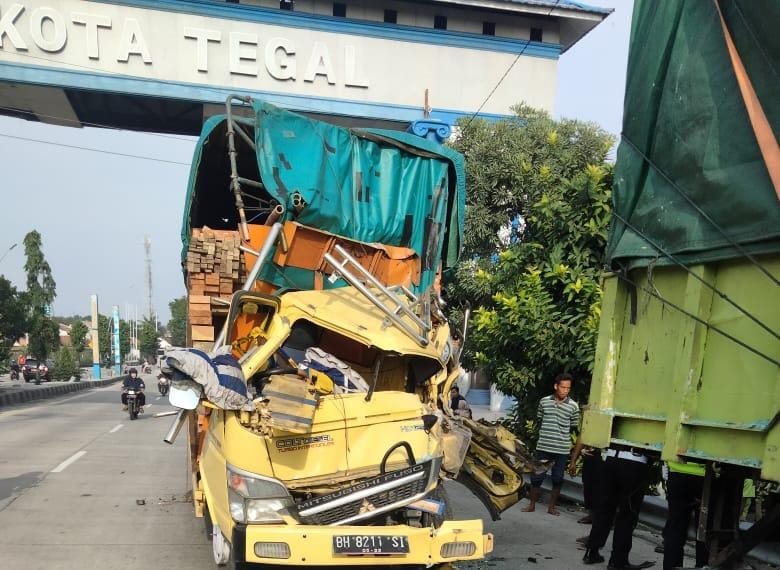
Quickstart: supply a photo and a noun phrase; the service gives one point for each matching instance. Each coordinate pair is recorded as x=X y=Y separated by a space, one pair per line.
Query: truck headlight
x=256 y=499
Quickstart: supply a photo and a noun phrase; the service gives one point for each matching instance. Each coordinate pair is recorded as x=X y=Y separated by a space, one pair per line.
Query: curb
x=23 y=396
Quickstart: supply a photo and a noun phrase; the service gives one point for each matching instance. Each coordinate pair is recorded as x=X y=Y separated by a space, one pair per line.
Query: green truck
x=688 y=357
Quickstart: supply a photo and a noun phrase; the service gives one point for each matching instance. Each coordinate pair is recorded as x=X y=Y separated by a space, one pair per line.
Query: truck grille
x=368 y=498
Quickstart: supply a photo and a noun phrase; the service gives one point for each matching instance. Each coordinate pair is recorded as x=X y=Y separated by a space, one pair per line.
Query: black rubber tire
x=209 y=526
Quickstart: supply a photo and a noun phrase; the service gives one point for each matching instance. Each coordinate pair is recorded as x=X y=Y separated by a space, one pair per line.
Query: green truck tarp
x=687 y=137
x=370 y=185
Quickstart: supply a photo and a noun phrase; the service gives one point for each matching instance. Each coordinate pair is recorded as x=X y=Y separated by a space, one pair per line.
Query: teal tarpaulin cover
x=370 y=185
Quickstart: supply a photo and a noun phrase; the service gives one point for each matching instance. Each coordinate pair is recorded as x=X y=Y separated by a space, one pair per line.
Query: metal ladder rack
x=397 y=308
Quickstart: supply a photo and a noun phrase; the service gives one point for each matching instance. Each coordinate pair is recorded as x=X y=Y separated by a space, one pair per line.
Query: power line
x=122 y=154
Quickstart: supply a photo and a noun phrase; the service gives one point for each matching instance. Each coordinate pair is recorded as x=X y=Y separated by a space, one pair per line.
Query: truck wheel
x=220 y=547
x=207 y=521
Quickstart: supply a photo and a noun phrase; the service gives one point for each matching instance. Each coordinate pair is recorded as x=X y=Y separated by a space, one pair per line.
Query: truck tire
x=220 y=548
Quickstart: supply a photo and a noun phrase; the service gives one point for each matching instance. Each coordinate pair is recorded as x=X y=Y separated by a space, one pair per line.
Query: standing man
x=684 y=489
x=558 y=416
x=626 y=474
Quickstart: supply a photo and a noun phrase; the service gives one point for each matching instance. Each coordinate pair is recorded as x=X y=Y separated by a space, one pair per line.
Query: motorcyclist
x=133 y=382
x=15 y=370
x=162 y=382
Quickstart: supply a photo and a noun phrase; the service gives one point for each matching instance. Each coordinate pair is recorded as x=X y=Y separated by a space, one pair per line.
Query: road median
x=13 y=395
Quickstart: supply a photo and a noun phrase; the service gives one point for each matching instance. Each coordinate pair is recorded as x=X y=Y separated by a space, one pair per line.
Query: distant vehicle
x=31 y=365
x=128 y=364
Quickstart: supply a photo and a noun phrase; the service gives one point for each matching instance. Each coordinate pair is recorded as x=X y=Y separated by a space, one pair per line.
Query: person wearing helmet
x=134 y=382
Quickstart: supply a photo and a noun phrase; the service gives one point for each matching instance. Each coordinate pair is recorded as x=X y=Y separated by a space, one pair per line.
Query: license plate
x=370 y=544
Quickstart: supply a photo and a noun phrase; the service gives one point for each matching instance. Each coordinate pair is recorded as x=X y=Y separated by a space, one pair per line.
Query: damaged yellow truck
x=332 y=242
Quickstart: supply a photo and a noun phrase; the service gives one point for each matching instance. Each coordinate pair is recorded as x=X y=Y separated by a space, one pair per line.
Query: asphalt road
x=74 y=470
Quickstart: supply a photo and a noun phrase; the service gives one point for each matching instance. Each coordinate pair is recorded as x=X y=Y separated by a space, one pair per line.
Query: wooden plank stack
x=214 y=269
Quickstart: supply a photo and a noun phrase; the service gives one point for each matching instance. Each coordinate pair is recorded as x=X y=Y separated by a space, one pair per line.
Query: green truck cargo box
x=668 y=383
x=688 y=354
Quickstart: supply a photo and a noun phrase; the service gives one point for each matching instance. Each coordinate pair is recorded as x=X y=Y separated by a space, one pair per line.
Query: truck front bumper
x=297 y=545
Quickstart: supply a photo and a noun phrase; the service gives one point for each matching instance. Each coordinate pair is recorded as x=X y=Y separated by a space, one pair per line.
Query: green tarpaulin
x=687 y=139
x=369 y=185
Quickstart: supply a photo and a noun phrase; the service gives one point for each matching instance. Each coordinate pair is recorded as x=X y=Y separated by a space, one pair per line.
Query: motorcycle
x=163 y=385
x=147 y=369
x=14 y=374
x=133 y=403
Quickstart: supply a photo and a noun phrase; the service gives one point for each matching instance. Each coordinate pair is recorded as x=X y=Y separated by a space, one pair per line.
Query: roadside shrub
x=65 y=365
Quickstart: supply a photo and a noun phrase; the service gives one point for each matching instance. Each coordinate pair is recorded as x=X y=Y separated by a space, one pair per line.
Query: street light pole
x=8 y=251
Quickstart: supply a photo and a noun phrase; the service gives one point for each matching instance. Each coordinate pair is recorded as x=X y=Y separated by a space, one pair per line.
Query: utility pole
x=148 y=252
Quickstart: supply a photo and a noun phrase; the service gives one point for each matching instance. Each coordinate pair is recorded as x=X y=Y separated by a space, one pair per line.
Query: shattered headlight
x=256 y=499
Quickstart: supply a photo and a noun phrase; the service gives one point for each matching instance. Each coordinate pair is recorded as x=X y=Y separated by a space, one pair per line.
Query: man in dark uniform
x=626 y=475
x=683 y=492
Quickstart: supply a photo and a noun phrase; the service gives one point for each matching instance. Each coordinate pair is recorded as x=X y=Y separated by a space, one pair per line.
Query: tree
x=44 y=336
x=177 y=326
x=71 y=320
x=534 y=284
x=41 y=291
x=124 y=338
x=65 y=365
x=105 y=331
x=13 y=316
x=41 y=288
x=78 y=336
x=147 y=339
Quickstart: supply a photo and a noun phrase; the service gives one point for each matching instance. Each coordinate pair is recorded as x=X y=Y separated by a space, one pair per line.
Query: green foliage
x=536 y=302
x=124 y=338
x=85 y=357
x=41 y=288
x=44 y=336
x=147 y=339
x=525 y=163
x=78 y=336
x=177 y=326
x=105 y=331
x=13 y=317
x=71 y=320
x=65 y=365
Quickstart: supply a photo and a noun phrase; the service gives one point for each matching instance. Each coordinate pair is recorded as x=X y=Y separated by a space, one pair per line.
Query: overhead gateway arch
x=164 y=65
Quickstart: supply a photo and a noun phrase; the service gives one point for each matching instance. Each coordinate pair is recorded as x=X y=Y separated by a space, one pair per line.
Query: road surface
x=81 y=486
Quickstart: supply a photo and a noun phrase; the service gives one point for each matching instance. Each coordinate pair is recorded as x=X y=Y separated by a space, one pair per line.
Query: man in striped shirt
x=558 y=416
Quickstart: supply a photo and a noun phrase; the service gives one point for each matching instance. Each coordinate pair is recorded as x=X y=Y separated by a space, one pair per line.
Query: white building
x=162 y=65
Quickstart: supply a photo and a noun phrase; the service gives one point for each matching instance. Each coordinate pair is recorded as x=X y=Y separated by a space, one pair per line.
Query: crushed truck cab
x=324 y=433
x=339 y=478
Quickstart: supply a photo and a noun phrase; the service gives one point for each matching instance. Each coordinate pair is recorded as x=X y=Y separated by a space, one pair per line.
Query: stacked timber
x=214 y=271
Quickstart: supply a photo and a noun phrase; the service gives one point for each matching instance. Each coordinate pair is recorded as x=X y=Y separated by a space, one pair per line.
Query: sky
x=94 y=209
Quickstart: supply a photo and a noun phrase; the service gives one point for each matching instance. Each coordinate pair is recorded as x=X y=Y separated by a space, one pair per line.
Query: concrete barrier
x=24 y=395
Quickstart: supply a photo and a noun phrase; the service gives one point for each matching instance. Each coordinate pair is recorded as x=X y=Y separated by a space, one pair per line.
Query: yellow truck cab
x=352 y=483
x=336 y=452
